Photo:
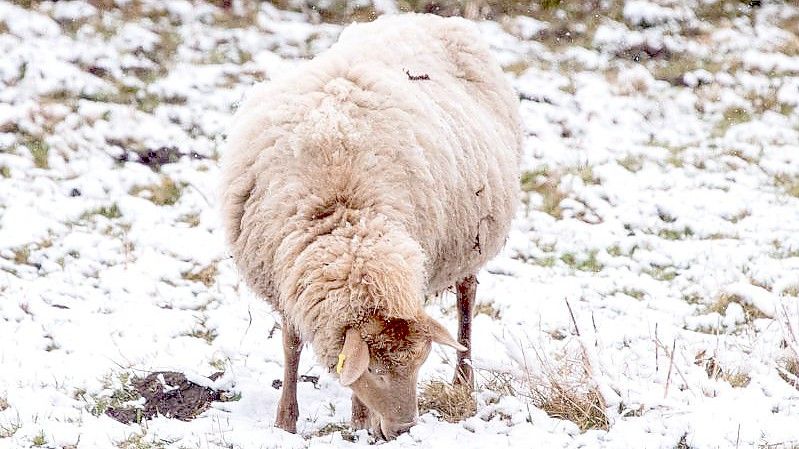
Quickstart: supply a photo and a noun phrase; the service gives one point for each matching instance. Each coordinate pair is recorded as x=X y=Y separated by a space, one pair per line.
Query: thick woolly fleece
x=383 y=170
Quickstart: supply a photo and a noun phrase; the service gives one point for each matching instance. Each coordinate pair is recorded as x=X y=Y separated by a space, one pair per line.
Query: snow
x=678 y=227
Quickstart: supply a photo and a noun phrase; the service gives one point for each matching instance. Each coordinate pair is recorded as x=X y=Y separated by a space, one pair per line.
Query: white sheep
x=383 y=170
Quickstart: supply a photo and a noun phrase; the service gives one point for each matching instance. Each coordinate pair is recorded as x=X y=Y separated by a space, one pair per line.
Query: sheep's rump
x=408 y=118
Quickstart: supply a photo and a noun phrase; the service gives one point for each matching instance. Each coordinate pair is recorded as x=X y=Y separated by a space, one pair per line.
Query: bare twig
x=671 y=365
x=738 y=436
x=421 y=77
x=657 y=349
x=571 y=313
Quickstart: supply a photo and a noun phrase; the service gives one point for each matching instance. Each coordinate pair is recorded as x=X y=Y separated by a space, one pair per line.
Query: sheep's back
x=408 y=117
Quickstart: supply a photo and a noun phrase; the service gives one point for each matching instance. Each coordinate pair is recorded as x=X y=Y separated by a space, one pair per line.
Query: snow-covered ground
x=662 y=171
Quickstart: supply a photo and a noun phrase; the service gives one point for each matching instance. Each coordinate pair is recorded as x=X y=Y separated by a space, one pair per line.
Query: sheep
x=383 y=170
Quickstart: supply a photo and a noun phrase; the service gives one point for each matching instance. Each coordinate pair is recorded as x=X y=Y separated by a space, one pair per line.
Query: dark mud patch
x=156 y=157
x=168 y=394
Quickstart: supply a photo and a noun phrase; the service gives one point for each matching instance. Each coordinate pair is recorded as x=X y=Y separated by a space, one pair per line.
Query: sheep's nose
x=391 y=431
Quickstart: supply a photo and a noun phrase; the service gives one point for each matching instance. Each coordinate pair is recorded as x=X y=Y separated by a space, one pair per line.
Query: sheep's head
x=380 y=361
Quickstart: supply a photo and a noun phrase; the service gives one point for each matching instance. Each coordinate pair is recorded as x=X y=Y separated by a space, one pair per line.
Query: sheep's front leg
x=287 y=409
x=466 y=292
x=360 y=414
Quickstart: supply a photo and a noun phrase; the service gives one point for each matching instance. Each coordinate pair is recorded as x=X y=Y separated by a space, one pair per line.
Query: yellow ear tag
x=340 y=364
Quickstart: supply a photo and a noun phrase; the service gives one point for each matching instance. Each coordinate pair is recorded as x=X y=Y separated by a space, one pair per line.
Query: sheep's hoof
x=287 y=418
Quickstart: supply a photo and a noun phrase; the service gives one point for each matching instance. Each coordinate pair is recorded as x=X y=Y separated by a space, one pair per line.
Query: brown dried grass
x=453 y=402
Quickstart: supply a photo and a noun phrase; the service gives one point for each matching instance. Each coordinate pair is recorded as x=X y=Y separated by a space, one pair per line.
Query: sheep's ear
x=441 y=335
x=354 y=358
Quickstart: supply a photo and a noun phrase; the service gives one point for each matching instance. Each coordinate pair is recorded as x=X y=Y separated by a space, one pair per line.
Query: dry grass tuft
x=567 y=390
x=714 y=370
x=789 y=370
x=720 y=306
x=545 y=183
x=788 y=364
x=488 y=309
x=571 y=399
x=498 y=382
x=206 y=275
x=453 y=402
x=9 y=428
x=167 y=193
x=22 y=255
x=791 y=290
x=788 y=183
x=346 y=431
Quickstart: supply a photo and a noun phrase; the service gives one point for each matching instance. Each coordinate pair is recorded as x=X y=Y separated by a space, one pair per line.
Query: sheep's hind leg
x=466 y=292
x=287 y=409
x=360 y=414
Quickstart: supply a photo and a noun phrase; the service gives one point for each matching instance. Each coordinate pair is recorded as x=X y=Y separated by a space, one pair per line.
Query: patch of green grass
x=39 y=440
x=202 y=331
x=671 y=234
x=675 y=157
x=674 y=68
x=122 y=391
x=693 y=298
x=192 y=219
x=346 y=431
x=218 y=364
x=206 y=275
x=589 y=263
x=615 y=251
x=662 y=273
x=545 y=262
x=111 y=212
x=209 y=335
x=545 y=183
x=530 y=179
x=631 y=163
x=634 y=293
x=790 y=184
x=39 y=150
x=723 y=11
x=137 y=441
x=740 y=215
x=166 y=193
x=732 y=116
x=230 y=397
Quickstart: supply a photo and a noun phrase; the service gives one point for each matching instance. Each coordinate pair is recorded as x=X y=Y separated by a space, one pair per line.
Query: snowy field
x=661 y=206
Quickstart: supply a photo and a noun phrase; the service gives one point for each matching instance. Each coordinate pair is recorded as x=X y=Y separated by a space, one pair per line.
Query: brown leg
x=287 y=409
x=360 y=414
x=466 y=289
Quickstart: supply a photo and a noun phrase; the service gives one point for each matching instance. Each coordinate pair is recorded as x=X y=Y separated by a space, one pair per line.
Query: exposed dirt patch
x=169 y=394
x=155 y=158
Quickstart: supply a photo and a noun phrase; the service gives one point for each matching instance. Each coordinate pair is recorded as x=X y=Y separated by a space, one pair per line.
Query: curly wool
x=383 y=170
